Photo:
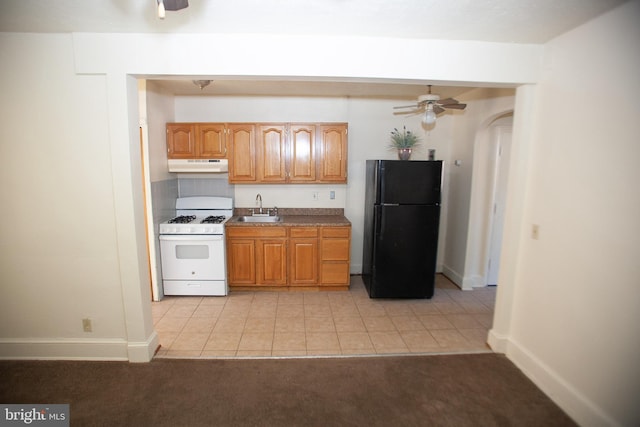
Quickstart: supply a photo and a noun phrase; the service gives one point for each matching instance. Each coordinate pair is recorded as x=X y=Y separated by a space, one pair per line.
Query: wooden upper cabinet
x=211 y=141
x=271 y=153
x=266 y=153
x=333 y=153
x=241 y=152
x=196 y=141
x=181 y=141
x=302 y=153
x=286 y=153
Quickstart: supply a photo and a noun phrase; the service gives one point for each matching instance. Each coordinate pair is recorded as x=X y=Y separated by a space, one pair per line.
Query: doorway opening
x=488 y=199
x=501 y=131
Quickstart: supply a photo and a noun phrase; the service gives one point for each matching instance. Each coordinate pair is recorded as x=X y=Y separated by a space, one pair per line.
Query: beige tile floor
x=281 y=324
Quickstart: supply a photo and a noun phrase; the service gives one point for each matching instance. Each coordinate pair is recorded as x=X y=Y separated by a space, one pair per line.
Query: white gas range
x=192 y=247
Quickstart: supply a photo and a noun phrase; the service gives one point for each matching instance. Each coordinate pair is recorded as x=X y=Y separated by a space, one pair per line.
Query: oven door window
x=192 y=252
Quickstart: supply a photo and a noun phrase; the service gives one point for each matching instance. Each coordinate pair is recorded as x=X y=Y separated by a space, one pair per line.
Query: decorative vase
x=404 y=153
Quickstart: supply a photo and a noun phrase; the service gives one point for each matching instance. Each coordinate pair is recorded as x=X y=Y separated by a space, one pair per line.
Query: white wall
x=574 y=325
x=160 y=110
x=463 y=245
x=58 y=248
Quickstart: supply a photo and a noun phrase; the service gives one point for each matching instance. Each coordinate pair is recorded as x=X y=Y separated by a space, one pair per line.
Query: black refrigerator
x=401 y=219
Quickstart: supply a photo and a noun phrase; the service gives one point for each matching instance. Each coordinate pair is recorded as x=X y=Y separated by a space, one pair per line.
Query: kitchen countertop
x=295 y=220
x=295 y=217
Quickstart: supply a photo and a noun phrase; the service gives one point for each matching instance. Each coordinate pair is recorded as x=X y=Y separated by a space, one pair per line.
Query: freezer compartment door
x=405 y=251
x=408 y=182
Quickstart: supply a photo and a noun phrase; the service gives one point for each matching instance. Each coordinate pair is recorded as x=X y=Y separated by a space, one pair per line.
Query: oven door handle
x=191 y=237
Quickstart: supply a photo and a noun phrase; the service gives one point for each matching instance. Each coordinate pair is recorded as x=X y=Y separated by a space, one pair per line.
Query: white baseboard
x=143 y=351
x=473 y=281
x=466 y=283
x=463 y=283
x=452 y=275
x=583 y=411
x=498 y=343
x=78 y=349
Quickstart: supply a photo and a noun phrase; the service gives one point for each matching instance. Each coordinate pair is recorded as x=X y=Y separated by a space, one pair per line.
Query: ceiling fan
x=173 y=5
x=431 y=104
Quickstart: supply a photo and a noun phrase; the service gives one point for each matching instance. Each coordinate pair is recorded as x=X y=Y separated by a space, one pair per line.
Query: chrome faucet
x=259 y=200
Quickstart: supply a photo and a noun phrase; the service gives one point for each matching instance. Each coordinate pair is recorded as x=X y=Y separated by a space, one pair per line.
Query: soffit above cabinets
x=378 y=90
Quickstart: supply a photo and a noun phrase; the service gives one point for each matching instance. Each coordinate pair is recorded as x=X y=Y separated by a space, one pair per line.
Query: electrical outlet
x=332 y=195
x=535 y=231
x=86 y=325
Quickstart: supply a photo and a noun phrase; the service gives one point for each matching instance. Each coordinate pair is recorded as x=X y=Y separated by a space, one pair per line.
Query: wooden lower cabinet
x=303 y=256
x=283 y=257
x=241 y=261
x=257 y=256
x=335 y=251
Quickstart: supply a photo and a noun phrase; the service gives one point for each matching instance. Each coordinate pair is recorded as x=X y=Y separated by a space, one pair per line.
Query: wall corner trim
x=143 y=351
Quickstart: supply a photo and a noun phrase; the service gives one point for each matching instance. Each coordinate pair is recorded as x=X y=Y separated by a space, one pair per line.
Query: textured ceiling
x=509 y=21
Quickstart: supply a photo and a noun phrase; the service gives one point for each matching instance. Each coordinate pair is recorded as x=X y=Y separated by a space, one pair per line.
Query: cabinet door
x=302 y=153
x=241 y=261
x=303 y=256
x=271 y=261
x=181 y=141
x=241 y=152
x=271 y=153
x=211 y=143
x=333 y=153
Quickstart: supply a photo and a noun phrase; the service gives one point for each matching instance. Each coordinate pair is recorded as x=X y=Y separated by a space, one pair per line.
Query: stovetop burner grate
x=213 y=219
x=182 y=219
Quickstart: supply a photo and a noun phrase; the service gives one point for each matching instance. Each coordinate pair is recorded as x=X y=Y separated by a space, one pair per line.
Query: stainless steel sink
x=259 y=219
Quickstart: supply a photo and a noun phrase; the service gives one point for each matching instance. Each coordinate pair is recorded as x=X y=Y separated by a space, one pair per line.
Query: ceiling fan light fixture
x=202 y=83
x=171 y=5
x=161 y=10
x=429 y=117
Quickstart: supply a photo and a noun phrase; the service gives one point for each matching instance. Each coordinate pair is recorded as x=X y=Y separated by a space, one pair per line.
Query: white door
x=503 y=148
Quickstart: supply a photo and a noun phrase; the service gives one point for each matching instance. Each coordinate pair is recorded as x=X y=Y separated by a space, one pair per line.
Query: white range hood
x=199 y=165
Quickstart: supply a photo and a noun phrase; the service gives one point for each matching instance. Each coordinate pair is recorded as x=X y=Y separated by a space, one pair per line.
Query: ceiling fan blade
x=437 y=109
x=407 y=113
x=456 y=106
x=408 y=106
x=448 y=101
x=175 y=4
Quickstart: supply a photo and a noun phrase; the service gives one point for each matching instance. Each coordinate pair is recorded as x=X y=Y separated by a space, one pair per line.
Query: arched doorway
x=488 y=198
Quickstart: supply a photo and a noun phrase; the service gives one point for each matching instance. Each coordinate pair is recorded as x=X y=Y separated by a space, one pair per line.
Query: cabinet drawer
x=335 y=232
x=256 y=232
x=303 y=232
x=335 y=273
x=335 y=250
